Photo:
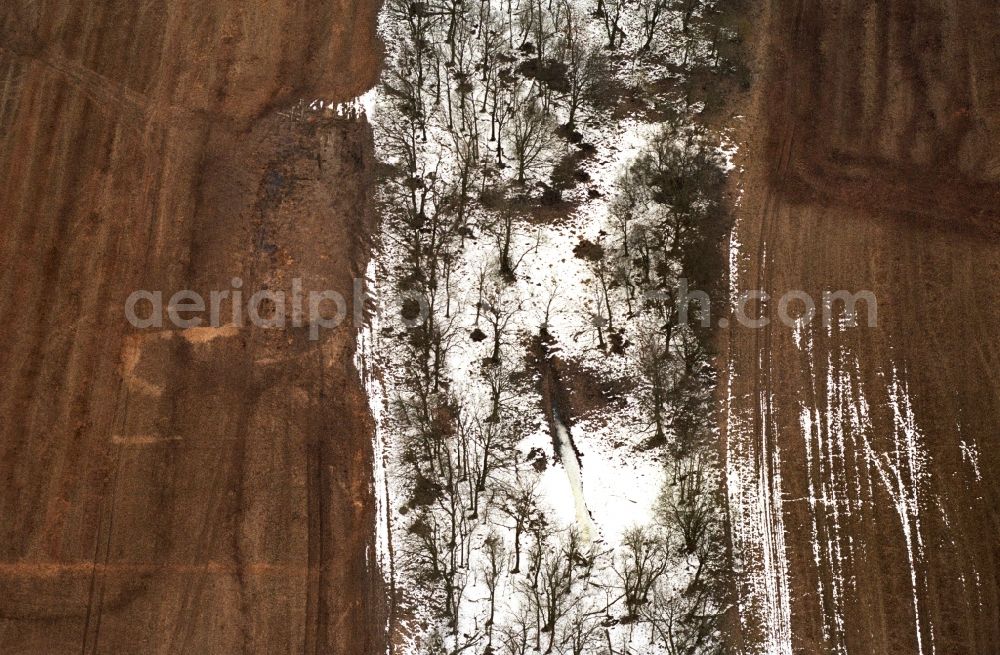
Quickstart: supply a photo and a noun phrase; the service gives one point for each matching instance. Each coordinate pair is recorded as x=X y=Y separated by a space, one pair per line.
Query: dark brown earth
x=873 y=162
x=160 y=491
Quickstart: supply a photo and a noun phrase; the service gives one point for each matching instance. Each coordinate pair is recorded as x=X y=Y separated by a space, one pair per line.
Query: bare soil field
x=868 y=513
x=165 y=491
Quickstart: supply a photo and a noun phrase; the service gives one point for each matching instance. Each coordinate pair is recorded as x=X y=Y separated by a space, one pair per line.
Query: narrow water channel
x=574 y=472
x=554 y=398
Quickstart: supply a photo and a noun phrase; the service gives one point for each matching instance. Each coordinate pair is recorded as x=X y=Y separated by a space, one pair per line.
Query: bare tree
x=531 y=137
x=456 y=534
x=685 y=618
x=550 y=586
x=581 y=635
x=586 y=67
x=540 y=21
x=627 y=207
x=493 y=571
x=516 y=636
x=686 y=10
x=417 y=58
x=519 y=505
x=651 y=12
x=639 y=565
x=465 y=147
x=499 y=308
x=687 y=506
x=499 y=89
x=610 y=12
x=493 y=30
x=653 y=362
x=501 y=226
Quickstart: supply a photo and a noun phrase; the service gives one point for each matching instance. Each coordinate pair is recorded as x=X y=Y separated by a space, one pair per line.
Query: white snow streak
x=753 y=472
x=568 y=456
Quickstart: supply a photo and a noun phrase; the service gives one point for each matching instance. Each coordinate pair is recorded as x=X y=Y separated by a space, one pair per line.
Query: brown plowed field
x=871 y=456
x=168 y=492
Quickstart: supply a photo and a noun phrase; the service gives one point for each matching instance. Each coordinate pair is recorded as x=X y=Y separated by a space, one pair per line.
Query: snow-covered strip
x=970 y=454
x=363 y=105
x=758 y=533
x=365 y=363
x=569 y=461
x=907 y=469
x=899 y=468
x=753 y=482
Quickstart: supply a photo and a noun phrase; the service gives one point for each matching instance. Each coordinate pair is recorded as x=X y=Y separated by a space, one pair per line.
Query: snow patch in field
x=970 y=455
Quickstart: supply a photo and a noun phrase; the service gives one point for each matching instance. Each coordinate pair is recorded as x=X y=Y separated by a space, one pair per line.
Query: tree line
x=490 y=103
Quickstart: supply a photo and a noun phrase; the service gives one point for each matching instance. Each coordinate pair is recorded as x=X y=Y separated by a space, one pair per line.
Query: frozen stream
x=574 y=473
